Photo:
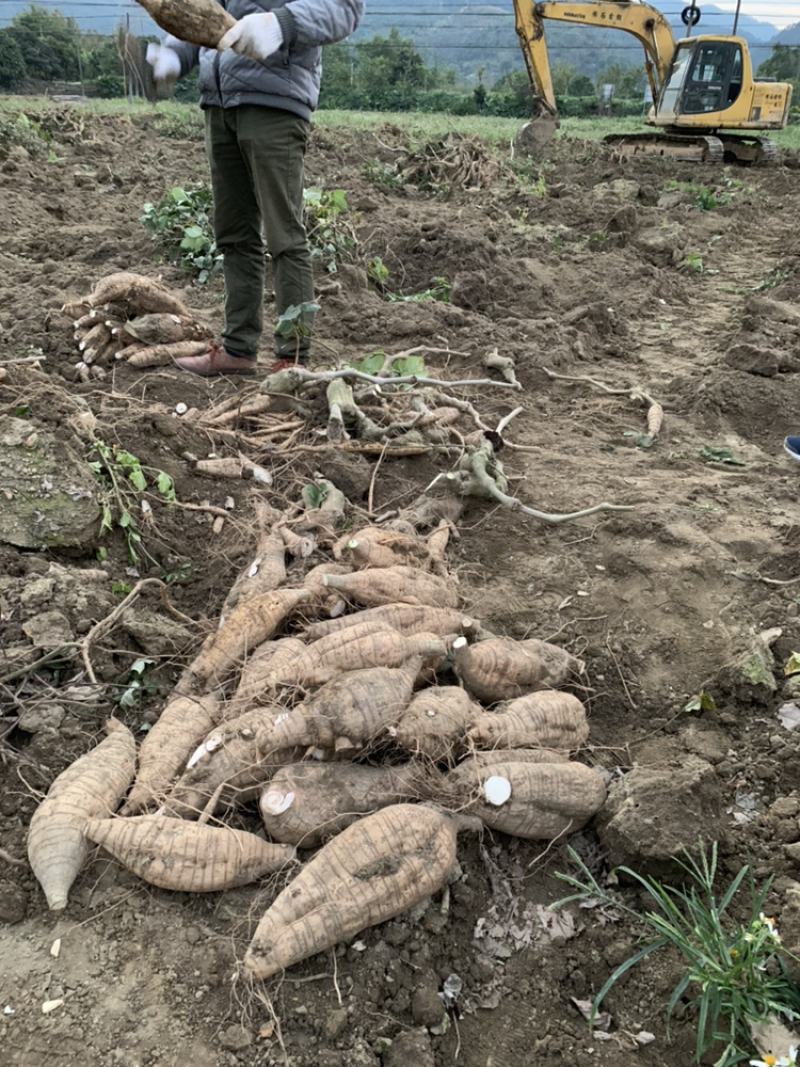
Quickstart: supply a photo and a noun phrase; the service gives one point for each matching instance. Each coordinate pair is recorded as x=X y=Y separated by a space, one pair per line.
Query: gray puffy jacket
x=289 y=78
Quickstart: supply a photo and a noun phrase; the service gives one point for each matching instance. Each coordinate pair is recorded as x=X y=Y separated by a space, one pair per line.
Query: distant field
x=419 y=125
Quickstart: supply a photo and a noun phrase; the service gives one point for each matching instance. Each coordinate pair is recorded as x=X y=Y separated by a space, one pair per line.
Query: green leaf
x=371 y=364
x=313 y=495
x=720 y=455
x=137 y=477
x=130 y=698
x=141 y=665
x=338 y=201
x=622 y=969
x=165 y=484
x=702 y=702
x=21 y=410
x=792 y=665
x=411 y=365
x=641 y=440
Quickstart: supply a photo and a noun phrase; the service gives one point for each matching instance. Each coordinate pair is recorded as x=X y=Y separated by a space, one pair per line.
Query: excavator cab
x=710 y=85
x=705 y=76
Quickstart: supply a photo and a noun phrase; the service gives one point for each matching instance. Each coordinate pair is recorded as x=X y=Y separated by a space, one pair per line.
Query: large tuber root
x=200 y=22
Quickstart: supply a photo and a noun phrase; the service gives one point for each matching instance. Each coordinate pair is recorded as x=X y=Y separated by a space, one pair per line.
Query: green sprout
x=734 y=969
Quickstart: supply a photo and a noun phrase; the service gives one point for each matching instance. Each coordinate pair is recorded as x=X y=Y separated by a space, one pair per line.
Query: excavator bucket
x=534 y=135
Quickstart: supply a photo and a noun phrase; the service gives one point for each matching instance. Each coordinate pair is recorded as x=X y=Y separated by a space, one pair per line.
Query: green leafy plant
x=702 y=702
x=438 y=290
x=137 y=685
x=125 y=480
x=771 y=280
x=293 y=323
x=694 y=261
x=734 y=968
x=381 y=175
x=331 y=237
x=24 y=133
x=399 y=368
x=313 y=495
x=178 y=573
x=720 y=455
x=378 y=273
x=708 y=201
x=180 y=223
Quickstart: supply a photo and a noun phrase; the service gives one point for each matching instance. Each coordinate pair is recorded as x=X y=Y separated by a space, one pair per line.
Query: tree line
x=379 y=74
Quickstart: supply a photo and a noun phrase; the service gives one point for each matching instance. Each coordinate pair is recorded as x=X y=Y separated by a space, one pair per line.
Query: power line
x=402 y=13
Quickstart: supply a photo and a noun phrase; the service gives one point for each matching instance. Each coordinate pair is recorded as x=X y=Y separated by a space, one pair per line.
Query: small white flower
x=770 y=925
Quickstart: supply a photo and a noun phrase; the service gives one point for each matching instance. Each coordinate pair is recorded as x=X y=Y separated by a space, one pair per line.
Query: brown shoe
x=216 y=361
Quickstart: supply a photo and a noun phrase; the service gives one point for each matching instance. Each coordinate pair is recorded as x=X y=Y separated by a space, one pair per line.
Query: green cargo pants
x=256 y=159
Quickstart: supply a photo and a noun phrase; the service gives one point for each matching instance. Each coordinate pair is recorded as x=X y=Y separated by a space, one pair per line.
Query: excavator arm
x=643 y=22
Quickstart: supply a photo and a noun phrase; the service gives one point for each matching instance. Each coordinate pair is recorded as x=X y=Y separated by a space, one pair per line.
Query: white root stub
x=207 y=746
x=274 y=802
x=497 y=790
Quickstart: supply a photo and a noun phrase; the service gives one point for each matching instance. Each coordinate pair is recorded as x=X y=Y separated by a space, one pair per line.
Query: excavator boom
x=643 y=22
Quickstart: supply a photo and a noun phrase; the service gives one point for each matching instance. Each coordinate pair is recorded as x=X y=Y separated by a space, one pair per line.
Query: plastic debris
x=789 y=716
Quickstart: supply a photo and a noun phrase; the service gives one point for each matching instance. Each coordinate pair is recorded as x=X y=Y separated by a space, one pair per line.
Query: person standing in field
x=258 y=90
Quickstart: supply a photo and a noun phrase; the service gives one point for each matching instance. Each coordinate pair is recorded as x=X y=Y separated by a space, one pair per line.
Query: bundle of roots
x=135 y=319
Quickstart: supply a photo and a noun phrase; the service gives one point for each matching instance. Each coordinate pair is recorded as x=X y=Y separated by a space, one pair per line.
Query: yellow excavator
x=703 y=87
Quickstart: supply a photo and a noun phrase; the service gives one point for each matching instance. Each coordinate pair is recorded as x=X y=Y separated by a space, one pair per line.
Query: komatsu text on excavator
x=706 y=98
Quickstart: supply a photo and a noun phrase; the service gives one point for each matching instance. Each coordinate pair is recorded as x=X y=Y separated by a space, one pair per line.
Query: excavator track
x=739 y=148
x=690 y=148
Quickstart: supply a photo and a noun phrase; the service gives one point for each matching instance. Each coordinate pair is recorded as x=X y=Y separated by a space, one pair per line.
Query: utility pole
x=128 y=71
x=80 y=61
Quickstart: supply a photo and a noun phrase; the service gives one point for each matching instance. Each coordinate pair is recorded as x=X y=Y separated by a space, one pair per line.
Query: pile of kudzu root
x=367 y=715
x=135 y=319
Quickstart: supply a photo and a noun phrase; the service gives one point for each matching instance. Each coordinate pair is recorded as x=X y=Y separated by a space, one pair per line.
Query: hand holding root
x=255 y=36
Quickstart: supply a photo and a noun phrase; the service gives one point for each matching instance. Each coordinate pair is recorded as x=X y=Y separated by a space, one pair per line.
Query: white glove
x=255 y=36
x=165 y=62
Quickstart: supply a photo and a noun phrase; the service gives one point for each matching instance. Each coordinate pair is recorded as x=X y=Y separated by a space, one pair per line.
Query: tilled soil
x=584 y=264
